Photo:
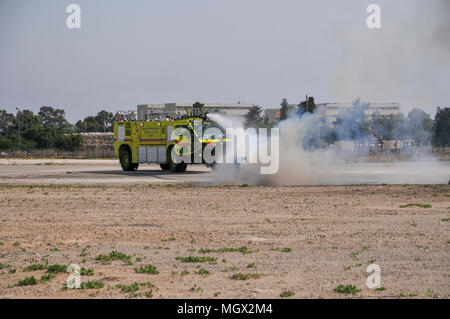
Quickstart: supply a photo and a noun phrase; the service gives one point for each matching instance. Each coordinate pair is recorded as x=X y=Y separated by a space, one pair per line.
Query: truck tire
x=165 y=167
x=125 y=160
x=176 y=168
x=135 y=166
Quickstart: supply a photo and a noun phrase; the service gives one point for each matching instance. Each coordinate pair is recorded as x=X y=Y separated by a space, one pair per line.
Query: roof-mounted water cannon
x=126 y=115
x=197 y=110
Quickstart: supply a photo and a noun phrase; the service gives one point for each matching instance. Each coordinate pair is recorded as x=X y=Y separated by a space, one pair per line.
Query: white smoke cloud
x=406 y=61
x=301 y=165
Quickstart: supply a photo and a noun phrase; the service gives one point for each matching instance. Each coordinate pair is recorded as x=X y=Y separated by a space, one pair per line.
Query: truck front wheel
x=125 y=160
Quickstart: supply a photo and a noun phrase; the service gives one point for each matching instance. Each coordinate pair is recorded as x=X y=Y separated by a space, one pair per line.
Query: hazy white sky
x=254 y=51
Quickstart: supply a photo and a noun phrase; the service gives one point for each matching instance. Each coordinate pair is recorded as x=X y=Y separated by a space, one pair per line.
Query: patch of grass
x=203 y=272
x=86 y=272
x=35 y=267
x=56 y=268
x=184 y=273
x=128 y=288
x=240 y=276
x=114 y=255
x=169 y=239
x=286 y=250
x=347 y=289
x=196 y=259
x=84 y=252
x=252 y=265
x=229 y=269
x=445 y=219
x=244 y=185
x=16 y=244
x=287 y=293
x=196 y=288
x=46 y=278
x=149 y=269
x=28 y=281
x=91 y=285
x=380 y=289
x=416 y=205
x=354 y=256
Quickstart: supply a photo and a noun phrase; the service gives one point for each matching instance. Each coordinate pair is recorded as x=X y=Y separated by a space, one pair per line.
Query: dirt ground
x=306 y=240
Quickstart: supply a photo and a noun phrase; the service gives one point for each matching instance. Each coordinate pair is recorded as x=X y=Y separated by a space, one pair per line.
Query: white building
x=331 y=110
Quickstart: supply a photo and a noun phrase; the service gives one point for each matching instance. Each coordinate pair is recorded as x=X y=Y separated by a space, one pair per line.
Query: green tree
x=254 y=116
x=102 y=122
x=389 y=127
x=54 y=119
x=30 y=130
x=106 y=120
x=68 y=142
x=420 y=126
x=441 y=128
x=7 y=121
x=283 y=109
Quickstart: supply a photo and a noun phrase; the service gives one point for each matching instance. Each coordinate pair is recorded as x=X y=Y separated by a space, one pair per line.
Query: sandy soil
x=307 y=240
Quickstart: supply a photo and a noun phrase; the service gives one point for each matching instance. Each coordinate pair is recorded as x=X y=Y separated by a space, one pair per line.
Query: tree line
x=48 y=128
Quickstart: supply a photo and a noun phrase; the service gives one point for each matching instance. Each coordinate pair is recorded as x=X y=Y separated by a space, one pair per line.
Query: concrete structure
x=147 y=111
x=274 y=115
x=331 y=110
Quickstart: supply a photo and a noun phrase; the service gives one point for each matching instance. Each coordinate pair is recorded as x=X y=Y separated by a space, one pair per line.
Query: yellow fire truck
x=152 y=141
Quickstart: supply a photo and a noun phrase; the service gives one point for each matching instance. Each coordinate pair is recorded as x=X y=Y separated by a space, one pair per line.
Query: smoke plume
x=407 y=60
x=305 y=161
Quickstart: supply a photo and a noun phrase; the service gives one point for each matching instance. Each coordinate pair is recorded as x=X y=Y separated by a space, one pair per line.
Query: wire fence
x=56 y=153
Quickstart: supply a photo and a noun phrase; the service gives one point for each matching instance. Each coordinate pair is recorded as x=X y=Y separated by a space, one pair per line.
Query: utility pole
x=18 y=110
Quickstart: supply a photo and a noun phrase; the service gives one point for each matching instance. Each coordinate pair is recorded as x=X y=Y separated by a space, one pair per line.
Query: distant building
x=274 y=115
x=146 y=111
x=331 y=110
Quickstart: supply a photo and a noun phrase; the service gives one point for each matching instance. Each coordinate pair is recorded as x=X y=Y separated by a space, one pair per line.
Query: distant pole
x=18 y=110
